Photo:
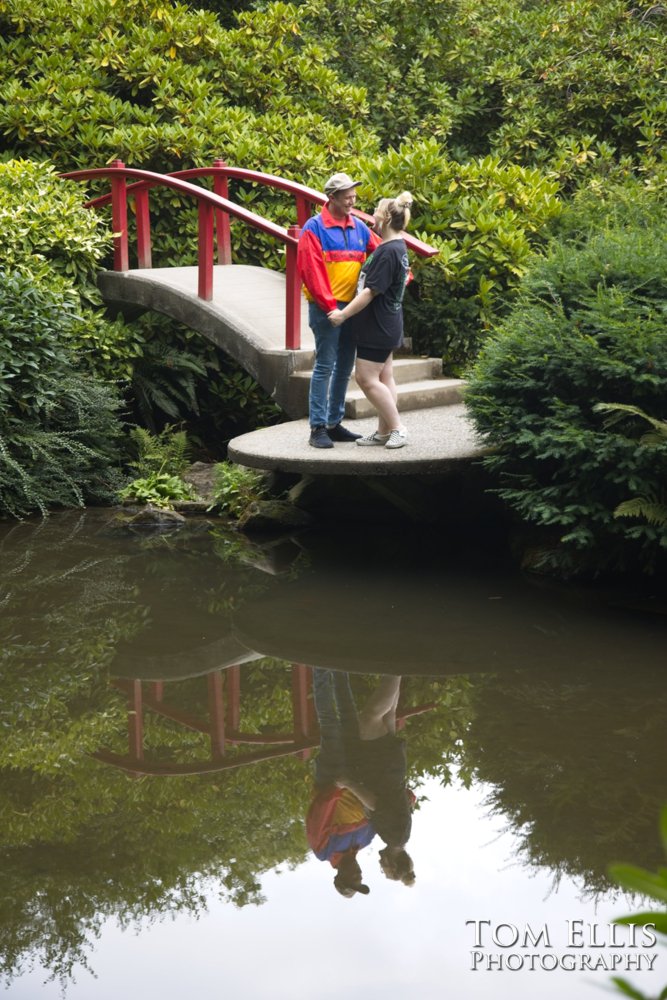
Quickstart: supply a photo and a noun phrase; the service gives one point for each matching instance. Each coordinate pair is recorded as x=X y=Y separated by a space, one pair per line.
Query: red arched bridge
x=254 y=314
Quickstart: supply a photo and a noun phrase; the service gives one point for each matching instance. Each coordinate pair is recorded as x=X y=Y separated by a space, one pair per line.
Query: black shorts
x=377 y=354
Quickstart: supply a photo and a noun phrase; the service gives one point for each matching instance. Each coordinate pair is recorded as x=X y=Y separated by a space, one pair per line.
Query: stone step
x=407 y=370
x=418 y=395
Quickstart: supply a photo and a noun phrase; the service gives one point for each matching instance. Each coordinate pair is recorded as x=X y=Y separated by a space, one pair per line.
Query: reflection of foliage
x=575 y=764
x=653 y=885
x=64 y=609
x=436 y=737
x=140 y=848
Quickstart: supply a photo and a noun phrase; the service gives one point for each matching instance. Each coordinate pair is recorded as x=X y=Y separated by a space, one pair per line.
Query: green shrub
x=235 y=487
x=159 y=489
x=589 y=328
x=652 y=508
x=160 y=461
x=48 y=233
x=166 y=452
x=44 y=220
x=646 y=884
x=519 y=80
x=485 y=217
x=59 y=428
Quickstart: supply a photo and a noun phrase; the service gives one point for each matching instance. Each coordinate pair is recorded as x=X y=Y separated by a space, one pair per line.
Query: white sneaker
x=372 y=439
x=397 y=439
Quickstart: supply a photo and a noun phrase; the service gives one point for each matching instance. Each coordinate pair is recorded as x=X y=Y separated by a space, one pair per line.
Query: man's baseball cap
x=340 y=182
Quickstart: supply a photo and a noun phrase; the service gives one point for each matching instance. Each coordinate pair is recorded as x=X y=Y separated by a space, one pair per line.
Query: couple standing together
x=354 y=281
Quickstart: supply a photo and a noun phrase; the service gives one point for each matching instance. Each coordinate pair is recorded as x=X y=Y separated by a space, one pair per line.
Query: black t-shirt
x=380 y=324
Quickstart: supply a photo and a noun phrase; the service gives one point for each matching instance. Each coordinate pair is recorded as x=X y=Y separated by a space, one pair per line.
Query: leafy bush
x=169 y=87
x=164 y=452
x=48 y=233
x=652 y=508
x=161 y=458
x=513 y=79
x=44 y=220
x=59 y=429
x=235 y=487
x=486 y=217
x=589 y=328
x=159 y=489
x=648 y=884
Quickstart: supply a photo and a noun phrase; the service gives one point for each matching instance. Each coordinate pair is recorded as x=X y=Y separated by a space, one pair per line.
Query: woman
x=378 y=326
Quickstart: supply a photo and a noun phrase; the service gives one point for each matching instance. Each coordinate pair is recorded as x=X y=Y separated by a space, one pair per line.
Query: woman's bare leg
x=380 y=393
x=378 y=716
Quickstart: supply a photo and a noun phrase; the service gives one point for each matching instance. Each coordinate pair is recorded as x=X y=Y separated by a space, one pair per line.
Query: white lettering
x=478 y=930
x=529 y=937
x=477 y=957
x=514 y=934
x=648 y=935
x=575 y=931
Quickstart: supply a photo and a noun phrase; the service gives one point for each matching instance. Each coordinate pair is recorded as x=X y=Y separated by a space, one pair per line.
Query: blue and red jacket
x=330 y=255
x=336 y=823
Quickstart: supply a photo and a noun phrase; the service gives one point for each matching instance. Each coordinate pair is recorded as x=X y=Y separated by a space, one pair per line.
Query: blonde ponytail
x=395 y=212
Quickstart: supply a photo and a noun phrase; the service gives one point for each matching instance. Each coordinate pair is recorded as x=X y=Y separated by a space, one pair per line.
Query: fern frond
x=651 y=510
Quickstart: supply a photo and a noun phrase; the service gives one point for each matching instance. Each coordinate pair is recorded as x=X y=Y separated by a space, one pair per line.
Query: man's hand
x=336 y=317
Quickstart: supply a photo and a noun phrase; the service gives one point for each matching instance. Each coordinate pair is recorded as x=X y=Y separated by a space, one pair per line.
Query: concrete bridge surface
x=246 y=319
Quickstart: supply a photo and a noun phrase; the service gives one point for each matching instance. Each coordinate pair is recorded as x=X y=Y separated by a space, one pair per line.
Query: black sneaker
x=319 y=438
x=340 y=433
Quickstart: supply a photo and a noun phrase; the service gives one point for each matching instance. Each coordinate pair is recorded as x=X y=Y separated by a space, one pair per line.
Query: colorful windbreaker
x=336 y=822
x=330 y=255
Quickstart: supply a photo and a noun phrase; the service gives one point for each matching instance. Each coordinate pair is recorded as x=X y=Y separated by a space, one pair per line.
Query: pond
x=160 y=696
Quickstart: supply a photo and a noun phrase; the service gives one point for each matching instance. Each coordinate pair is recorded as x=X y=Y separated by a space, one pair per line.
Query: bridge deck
x=440 y=439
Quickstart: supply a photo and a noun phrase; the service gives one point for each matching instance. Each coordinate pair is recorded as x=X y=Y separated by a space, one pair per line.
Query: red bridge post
x=222 y=226
x=205 y=285
x=119 y=218
x=292 y=293
x=144 y=257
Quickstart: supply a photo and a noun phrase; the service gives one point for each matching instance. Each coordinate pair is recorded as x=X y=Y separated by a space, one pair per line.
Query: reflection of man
x=332 y=247
x=360 y=781
x=337 y=825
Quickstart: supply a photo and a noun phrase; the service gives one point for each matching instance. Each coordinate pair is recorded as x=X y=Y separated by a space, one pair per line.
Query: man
x=332 y=247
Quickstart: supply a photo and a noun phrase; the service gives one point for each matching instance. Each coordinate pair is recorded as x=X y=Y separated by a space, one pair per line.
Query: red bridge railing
x=215 y=210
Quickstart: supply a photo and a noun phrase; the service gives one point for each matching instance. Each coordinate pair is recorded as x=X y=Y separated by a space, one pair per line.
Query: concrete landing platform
x=440 y=439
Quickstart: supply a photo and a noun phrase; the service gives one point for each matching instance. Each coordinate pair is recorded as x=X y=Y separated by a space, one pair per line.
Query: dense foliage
x=174 y=88
x=532 y=82
x=59 y=428
x=589 y=328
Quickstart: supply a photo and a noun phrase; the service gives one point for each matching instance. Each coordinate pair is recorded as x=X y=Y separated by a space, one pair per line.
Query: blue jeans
x=334 y=359
x=339 y=728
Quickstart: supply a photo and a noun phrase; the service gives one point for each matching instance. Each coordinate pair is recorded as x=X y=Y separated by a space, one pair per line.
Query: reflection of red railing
x=215 y=210
x=222 y=725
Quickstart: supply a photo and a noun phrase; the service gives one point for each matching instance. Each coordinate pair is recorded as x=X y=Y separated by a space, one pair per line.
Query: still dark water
x=159 y=741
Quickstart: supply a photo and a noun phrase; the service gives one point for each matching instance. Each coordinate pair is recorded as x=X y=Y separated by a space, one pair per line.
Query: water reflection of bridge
x=222 y=723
